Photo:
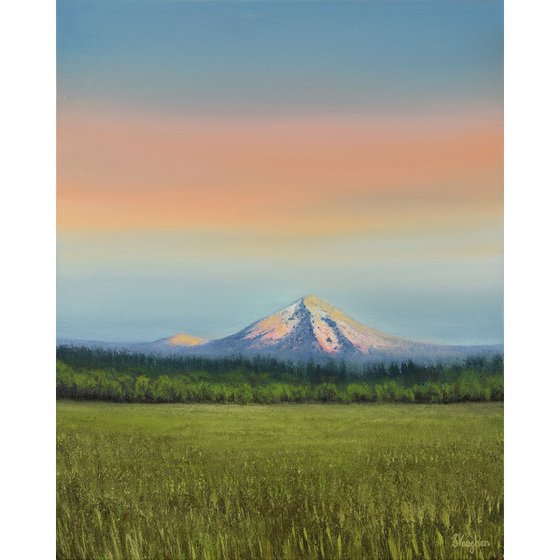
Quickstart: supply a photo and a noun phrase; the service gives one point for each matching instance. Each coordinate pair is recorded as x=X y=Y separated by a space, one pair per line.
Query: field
x=206 y=481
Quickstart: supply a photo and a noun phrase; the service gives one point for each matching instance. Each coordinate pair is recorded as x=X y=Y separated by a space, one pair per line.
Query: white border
x=532 y=335
x=27 y=218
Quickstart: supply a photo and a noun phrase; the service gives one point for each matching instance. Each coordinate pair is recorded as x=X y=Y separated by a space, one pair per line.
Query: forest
x=104 y=375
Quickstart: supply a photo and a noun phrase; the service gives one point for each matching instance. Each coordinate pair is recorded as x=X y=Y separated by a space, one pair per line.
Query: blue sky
x=278 y=56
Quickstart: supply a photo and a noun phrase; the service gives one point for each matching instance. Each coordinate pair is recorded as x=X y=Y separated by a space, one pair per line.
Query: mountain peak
x=184 y=339
x=321 y=308
x=313 y=326
x=313 y=300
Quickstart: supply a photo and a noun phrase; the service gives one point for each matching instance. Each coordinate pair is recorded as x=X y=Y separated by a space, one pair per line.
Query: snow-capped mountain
x=311 y=328
x=308 y=329
x=308 y=326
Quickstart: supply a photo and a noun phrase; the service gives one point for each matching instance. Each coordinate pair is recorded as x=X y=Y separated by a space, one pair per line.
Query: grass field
x=176 y=481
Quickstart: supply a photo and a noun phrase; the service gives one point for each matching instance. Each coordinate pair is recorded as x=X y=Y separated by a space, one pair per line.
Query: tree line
x=95 y=374
x=259 y=369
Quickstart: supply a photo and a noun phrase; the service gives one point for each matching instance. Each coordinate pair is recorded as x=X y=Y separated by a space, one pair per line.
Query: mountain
x=311 y=328
x=182 y=339
x=170 y=345
x=308 y=329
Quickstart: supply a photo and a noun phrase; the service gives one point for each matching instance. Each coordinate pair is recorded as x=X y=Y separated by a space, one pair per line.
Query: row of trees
x=259 y=369
x=123 y=387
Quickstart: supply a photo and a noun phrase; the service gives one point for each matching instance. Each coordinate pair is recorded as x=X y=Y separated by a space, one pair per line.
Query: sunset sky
x=218 y=160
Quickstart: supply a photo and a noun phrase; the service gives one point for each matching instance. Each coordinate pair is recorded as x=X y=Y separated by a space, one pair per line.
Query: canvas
x=280 y=279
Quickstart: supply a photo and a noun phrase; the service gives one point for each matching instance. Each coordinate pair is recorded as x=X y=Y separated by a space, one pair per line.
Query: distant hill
x=308 y=329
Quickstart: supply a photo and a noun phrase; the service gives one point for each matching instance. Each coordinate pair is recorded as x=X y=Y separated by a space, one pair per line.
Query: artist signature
x=470 y=543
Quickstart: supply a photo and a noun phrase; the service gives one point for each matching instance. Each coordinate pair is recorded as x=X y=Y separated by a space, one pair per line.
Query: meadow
x=290 y=481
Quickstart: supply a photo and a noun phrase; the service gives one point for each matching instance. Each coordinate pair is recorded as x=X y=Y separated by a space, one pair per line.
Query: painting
x=279 y=279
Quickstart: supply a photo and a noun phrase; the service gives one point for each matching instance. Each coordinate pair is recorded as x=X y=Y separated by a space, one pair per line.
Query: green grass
x=174 y=481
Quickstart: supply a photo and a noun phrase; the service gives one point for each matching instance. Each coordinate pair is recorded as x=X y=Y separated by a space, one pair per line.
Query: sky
x=219 y=160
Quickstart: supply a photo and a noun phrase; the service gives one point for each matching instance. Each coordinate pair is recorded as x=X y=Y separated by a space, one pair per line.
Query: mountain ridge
x=309 y=329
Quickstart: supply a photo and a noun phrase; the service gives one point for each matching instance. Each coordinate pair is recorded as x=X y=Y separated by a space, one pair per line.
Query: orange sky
x=311 y=175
